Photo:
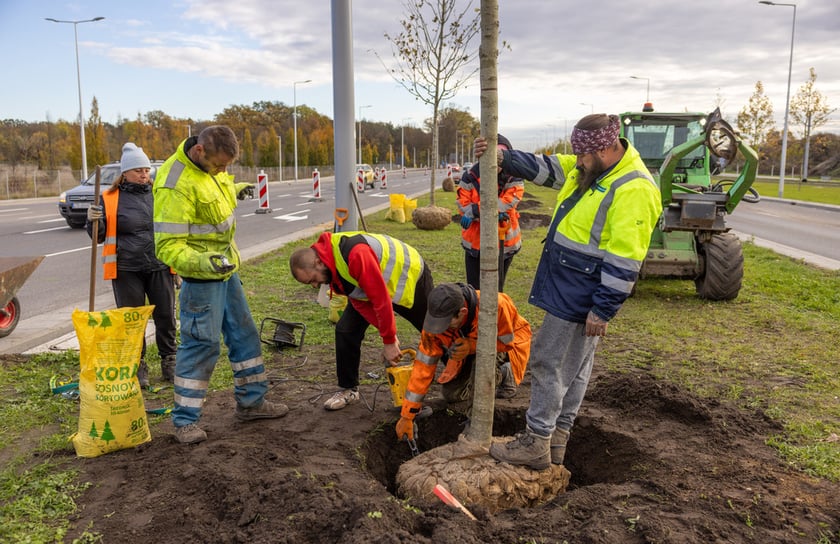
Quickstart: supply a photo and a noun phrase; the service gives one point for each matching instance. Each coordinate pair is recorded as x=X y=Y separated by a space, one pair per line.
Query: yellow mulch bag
x=397 y=211
x=112 y=414
x=337 y=305
x=409 y=206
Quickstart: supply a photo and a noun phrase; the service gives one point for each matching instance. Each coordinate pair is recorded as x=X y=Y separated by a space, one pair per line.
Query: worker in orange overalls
x=450 y=330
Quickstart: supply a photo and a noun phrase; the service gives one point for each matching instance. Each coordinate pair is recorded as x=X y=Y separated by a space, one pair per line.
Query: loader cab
x=654 y=135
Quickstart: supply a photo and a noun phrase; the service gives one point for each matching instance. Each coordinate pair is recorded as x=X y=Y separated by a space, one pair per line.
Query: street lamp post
x=591 y=106
x=360 y=130
x=787 y=99
x=79 y=84
x=294 y=117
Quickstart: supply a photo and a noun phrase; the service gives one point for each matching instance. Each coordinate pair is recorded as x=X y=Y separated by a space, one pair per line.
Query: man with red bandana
x=607 y=207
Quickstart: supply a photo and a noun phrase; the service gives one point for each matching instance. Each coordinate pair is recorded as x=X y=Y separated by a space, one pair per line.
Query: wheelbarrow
x=14 y=271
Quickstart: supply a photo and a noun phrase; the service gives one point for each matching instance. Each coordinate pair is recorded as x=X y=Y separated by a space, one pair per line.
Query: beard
x=587 y=176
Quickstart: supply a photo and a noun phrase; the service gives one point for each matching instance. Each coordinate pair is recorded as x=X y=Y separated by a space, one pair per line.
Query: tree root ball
x=431 y=217
x=448 y=185
x=476 y=479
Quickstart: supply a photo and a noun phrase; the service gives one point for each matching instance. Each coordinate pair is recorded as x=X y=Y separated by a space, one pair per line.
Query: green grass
x=773 y=349
x=809 y=192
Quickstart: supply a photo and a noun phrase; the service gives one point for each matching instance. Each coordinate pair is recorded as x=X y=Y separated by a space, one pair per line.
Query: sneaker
x=143 y=374
x=264 y=410
x=167 y=368
x=558 y=446
x=342 y=398
x=528 y=448
x=190 y=434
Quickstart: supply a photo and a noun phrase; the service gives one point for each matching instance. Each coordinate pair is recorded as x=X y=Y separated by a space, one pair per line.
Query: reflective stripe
x=189 y=402
x=426 y=359
x=109 y=258
x=506 y=338
x=623 y=262
x=618 y=284
x=174 y=174
x=110 y=239
x=254 y=378
x=254 y=362
x=414 y=397
x=187 y=383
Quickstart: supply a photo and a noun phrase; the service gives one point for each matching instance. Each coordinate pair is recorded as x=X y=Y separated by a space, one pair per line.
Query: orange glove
x=406 y=428
x=461 y=348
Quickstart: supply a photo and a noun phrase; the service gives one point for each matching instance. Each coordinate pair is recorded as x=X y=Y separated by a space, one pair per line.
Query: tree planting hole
x=593 y=455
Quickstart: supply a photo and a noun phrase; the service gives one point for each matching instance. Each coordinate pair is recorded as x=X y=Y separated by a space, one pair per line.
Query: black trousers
x=132 y=288
x=472 y=265
x=351 y=327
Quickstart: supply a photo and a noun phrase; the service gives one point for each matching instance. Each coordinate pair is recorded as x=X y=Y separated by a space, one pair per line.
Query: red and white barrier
x=383 y=179
x=448 y=171
x=375 y=176
x=316 y=184
x=403 y=172
x=360 y=181
x=262 y=189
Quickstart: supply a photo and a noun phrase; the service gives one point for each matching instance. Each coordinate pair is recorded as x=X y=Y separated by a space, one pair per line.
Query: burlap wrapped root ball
x=448 y=185
x=431 y=217
x=476 y=479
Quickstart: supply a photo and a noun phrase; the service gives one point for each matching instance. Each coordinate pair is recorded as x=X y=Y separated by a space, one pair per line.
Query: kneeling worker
x=450 y=330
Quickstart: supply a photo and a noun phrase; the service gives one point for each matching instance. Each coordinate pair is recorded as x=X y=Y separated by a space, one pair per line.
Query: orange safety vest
x=513 y=337
x=109 y=248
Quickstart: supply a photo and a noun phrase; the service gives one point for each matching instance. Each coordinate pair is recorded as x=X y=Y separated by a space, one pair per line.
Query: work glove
x=244 y=190
x=461 y=348
x=176 y=279
x=466 y=222
x=95 y=213
x=406 y=429
x=220 y=264
x=503 y=217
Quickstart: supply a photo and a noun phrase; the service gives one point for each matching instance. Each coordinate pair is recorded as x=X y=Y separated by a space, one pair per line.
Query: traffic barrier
x=375 y=176
x=360 y=181
x=262 y=189
x=316 y=185
x=448 y=171
x=383 y=179
x=403 y=172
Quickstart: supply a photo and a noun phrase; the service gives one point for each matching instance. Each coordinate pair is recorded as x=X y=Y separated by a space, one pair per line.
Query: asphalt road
x=62 y=281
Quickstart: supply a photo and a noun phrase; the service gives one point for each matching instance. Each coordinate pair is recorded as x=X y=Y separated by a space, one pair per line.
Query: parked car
x=454 y=166
x=74 y=203
x=367 y=172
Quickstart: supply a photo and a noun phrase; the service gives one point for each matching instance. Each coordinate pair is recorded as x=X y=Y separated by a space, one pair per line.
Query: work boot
x=190 y=434
x=507 y=385
x=558 y=445
x=341 y=399
x=167 y=368
x=264 y=410
x=143 y=374
x=528 y=448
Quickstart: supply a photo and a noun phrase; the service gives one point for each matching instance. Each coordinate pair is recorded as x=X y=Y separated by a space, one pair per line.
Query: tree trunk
x=481 y=424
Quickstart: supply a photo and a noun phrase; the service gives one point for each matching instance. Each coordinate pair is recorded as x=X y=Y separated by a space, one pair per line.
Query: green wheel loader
x=692 y=241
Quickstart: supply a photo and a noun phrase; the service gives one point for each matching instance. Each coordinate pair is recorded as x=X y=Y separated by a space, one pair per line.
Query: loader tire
x=723 y=267
x=9 y=317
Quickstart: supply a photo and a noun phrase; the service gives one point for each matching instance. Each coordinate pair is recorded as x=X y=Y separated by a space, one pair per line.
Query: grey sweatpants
x=561 y=364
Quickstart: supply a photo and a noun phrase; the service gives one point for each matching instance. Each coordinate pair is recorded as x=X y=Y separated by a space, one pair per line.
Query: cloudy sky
x=192 y=58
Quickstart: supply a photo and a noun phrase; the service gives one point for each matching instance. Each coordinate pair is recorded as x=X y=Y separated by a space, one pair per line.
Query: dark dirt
x=650 y=462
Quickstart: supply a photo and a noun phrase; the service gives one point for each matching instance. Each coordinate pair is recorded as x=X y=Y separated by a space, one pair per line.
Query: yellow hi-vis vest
x=400 y=263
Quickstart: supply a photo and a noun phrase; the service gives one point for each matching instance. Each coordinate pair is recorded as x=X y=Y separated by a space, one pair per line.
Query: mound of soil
x=649 y=461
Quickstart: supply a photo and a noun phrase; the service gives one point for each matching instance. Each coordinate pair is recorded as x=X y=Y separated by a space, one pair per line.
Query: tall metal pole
x=79 y=85
x=280 y=156
x=787 y=99
x=294 y=116
x=647 y=95
x=343 y=100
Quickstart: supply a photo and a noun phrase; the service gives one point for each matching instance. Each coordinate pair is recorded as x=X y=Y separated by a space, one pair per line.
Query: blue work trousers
x=210 y=310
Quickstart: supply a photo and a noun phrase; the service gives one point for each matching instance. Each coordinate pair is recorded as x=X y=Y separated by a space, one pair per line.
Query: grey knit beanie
x=133 y=157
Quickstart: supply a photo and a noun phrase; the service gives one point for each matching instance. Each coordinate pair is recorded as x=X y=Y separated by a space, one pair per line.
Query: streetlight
x=787 y=99
x=79 y=84
x=647 y=95
x=591 y=106
x=294 y=116
x=360 y=130
x=402 y=142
